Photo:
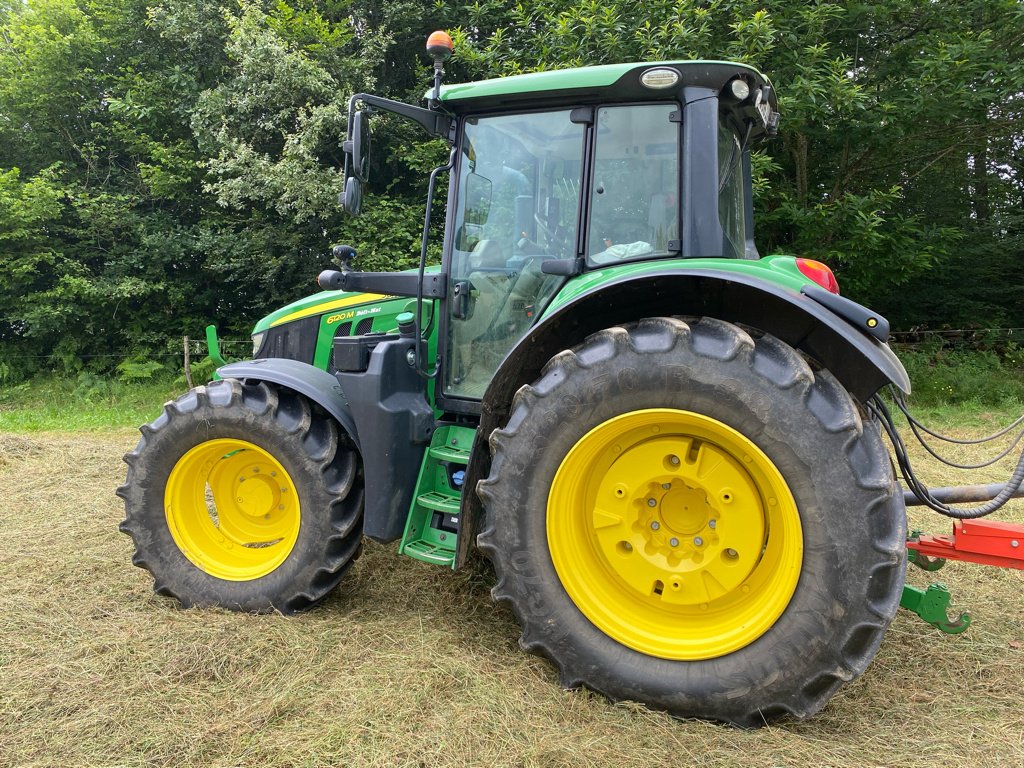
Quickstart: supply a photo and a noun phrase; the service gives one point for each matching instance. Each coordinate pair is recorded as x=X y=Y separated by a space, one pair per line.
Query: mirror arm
x=431 y=286
x=435 y=123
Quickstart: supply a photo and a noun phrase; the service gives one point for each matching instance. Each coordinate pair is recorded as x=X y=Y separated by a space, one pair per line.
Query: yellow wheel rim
x=674 y=534
x=232 y=509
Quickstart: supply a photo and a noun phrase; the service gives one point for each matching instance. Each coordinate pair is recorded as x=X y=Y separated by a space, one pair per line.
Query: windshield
x=518 y=204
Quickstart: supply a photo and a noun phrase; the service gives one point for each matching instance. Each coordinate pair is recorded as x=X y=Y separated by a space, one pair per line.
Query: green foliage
x=138 y=370
x=202 y=371
x=165 y=164
x=900 y=119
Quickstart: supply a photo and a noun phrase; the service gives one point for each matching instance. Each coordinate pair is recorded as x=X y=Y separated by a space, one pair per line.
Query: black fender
x=312 y=382
x=860 y=361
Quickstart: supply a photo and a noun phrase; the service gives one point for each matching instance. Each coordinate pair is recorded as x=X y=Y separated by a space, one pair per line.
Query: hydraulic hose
x=921 y=491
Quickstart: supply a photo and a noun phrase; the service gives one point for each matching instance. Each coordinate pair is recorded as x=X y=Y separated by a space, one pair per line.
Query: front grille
x=295 y=340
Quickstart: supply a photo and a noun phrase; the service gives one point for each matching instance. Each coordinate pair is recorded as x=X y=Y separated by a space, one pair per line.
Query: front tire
x=244 y=496
x=686 y=516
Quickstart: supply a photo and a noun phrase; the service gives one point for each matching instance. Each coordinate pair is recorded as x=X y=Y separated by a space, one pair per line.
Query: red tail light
x=819 y=273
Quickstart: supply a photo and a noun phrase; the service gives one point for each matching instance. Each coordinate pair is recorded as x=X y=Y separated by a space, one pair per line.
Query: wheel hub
x=675 y=539
x=674 y=534
x=231 y=509
x=685 y=510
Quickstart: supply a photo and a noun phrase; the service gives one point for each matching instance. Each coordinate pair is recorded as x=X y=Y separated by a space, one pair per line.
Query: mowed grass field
x=411 y=665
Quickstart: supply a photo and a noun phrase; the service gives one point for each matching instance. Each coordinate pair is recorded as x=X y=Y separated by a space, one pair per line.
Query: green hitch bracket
x=931 y=605
x=213 y=345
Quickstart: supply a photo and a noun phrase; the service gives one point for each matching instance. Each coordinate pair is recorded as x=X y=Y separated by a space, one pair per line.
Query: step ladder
x=432 y=529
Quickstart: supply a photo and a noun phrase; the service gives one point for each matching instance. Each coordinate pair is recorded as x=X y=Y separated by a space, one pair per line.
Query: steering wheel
x=555 y=238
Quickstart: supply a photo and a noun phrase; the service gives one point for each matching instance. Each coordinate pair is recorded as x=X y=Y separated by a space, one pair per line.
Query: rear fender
x=859 y=361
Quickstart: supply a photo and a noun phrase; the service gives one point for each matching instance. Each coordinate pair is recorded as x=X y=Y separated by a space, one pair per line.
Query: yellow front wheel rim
x=674 y=534
x=232 y=509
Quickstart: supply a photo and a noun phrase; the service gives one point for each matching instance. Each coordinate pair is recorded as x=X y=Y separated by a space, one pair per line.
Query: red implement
x=976 y=541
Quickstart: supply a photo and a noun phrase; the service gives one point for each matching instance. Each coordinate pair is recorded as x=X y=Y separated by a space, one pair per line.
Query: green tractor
x=660 y=440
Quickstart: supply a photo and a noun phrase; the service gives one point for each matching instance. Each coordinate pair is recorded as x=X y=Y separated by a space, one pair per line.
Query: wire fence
x=967 y=339
x=995 y=339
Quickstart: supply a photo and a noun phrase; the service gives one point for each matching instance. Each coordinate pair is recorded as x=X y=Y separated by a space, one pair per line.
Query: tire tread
x=785 y=370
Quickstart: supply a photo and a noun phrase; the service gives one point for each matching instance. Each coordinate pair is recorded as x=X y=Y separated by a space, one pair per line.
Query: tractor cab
x=556 y=174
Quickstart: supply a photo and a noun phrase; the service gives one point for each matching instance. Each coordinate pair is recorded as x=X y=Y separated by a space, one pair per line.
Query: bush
x=941 y=376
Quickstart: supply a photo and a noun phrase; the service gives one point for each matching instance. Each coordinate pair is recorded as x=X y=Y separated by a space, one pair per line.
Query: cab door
x=517 y=205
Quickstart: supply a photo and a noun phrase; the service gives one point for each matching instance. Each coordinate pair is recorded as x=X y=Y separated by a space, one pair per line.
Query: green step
x=430 y=553
x=450 y=453
x=441 y=502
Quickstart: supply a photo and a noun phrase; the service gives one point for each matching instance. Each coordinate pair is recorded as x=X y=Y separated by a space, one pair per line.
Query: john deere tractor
x=664 y=442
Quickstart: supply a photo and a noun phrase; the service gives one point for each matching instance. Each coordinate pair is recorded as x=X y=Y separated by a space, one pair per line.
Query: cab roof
x=608 y=82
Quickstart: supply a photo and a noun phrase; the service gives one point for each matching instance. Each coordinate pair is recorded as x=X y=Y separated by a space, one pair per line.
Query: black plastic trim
x=389 y=283
x=857 y=315
x=294 y=340
x=701 y=231
x=395 y=424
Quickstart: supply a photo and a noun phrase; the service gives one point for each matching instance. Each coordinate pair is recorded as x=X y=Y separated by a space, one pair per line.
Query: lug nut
x=697 y=541
x=655 y=525
x=652 y=503
x=712 y=524
x=674 y=541
x=666 y=486
x=673 y=460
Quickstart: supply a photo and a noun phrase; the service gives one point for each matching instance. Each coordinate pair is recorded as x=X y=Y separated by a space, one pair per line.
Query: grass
x=976 y=379
x=407 y=664
x=88 y=403
x=973 y=388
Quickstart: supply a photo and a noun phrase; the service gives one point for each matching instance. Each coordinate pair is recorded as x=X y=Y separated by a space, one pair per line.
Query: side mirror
x=352 y=197
x=467 y=236
x=478 y=199
x=359 y=145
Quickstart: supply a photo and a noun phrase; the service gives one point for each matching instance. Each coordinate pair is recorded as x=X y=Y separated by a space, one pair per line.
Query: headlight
x=257 y=342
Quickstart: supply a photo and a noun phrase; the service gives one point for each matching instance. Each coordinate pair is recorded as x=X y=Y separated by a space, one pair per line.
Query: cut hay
x=410 y=665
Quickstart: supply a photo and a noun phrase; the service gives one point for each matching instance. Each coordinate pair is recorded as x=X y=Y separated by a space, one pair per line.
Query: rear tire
x=244 y=496
x=621 y=564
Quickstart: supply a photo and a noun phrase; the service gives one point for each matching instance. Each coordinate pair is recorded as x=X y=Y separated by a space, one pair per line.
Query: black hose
x=901 y=403
x=949 y=462
x=878 y=407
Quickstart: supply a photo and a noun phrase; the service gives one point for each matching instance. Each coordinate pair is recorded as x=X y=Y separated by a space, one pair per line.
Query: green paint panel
x=335 y=302
x=780 y=270
x=583 y=79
